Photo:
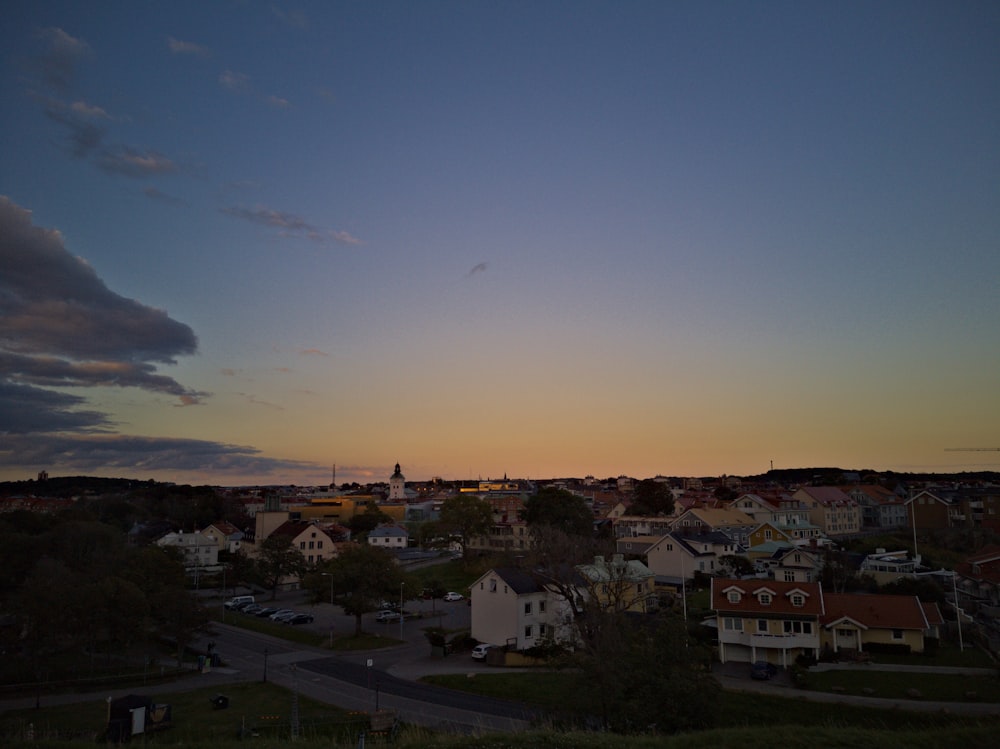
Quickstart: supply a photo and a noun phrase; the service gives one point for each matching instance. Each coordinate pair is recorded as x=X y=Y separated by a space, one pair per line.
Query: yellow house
x=851 y=623
x=620 y=585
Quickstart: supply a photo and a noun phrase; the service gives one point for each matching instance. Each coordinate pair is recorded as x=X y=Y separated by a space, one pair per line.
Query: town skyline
x=242 y=242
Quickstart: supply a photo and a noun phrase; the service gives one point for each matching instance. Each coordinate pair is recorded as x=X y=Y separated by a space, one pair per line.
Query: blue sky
x=480 y=238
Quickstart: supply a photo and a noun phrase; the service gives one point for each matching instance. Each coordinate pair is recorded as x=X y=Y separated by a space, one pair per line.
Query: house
x=767 y=620
x=635 y=546
x=310 y=538
x=619 y=585
x=200 y=553
x=796 y=565
x=835 y=513
x=514 y=609
x=980 y=576
x=676 y=557
x=641 y=525
x=928 y=511
x=852 y=623
x=888 y=566
x=735 y=524
x=226 y=535
x=881 y=508
x=389 y=536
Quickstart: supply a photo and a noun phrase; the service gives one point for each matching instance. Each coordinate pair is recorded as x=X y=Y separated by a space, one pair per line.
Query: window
x=732 y=624
x=734 y=596
x=312 y=544
x=897 y=634
x=790 y=578
x=527 y=607
x=798 y=628
x=302 y=544
x=527 y=631
x=798 y=600
x=765 y=599
x=767 y=535
x=319 y=544
x=762 y=625
x=541 y=607
x=493 y=586
x=542 y=629
x=310 y=558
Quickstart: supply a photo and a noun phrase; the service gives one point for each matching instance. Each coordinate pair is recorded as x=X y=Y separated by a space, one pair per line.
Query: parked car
x=300 y=619
x=238 y=601
x=279 y=613
x=387 y=615
x=479 y=652
x=267 y=611
x=282 y=617
x=252 y=609
x=453 y=596
x=762 y=670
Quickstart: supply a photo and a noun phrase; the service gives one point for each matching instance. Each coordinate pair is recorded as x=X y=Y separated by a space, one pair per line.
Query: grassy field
x=896 y=685
x=747 y=722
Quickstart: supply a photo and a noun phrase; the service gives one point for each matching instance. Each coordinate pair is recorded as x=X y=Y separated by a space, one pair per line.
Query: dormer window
x=734 y=596
x=765 y=599
x=798 y=600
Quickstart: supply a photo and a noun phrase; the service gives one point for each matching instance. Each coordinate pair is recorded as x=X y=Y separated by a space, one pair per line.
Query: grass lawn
x=894 y=685
x=736 y=709
x=265 y=707
x=946 y=655
x=452 y=575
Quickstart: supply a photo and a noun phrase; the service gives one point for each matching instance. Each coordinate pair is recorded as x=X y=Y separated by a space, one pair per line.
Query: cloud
x=87 y=453
x=477 y=269
x=84 y=135
x=155 y=194
x=312 y=352
x=294 y=18
x=187 y=48
x=28 y=409
x=234 y=81
x=63 y=53
x=290 y=224
x=130 y=162
x=277 y=102
x=60 y=325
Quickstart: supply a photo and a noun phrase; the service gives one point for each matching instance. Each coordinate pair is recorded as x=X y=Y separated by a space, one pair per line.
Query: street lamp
x=265 y=665
x=401 y=586
x=327 y=574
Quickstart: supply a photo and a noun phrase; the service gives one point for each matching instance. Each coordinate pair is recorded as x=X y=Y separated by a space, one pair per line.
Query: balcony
x=773 y=642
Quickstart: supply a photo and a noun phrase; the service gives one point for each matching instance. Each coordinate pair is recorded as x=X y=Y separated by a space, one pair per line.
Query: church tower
x=397 y=486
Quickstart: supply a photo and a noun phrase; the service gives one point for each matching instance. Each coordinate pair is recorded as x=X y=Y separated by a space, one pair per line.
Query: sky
x=242 y=242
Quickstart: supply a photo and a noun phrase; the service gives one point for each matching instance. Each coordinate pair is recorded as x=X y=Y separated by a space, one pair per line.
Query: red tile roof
x=875 y=611
x=781 y=597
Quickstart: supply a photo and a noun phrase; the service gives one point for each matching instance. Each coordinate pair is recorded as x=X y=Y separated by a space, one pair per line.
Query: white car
x=387 y=615
x=453 y=596
x=479 y=652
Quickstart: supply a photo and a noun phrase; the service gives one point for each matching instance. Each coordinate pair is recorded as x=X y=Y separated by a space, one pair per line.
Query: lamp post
x=958 y=611
x=265 y=665
x=401 y=586
x=327 y=574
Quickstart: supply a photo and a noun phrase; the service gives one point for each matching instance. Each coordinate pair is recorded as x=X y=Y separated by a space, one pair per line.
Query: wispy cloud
x=60 y=58
x=156 y=194
x=290 y=224
x=234 y=81
x=312 y=352
x=179 y=47
x=131 y=162
x=292 y=17
x=479 y=268
x=277 y=102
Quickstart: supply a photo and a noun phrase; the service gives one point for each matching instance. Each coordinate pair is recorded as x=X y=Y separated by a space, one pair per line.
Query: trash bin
x=220 y=702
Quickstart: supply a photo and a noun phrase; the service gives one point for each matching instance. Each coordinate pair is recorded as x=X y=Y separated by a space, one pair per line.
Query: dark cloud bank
x=62 y=327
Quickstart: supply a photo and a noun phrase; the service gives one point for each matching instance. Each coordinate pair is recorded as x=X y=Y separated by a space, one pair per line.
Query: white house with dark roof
x=511 y=608
x=389 y=536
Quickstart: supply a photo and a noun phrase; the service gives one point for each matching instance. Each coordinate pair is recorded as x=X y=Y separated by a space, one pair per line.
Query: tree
x=466 y=516
x=364 y=523
x=619 y=685
x=652 y=498
x=558 y=508
x=278 y=559
x=360 y=576
x=734 y=564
